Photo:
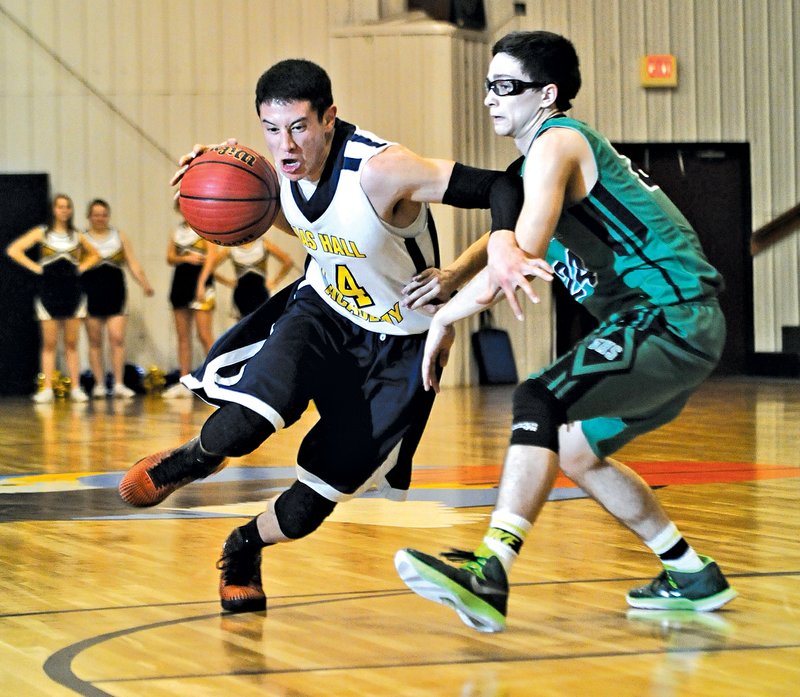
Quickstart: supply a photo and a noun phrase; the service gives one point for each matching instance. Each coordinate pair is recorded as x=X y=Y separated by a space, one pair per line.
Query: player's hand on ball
x=186 y=160
x=229 y=194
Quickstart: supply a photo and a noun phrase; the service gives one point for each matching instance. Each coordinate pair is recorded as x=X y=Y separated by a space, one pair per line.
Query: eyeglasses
x=507 y=87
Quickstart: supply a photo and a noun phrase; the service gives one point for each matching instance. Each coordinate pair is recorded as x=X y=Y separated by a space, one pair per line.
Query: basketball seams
x=223 y=205
x=233 y=162
x=230 y=200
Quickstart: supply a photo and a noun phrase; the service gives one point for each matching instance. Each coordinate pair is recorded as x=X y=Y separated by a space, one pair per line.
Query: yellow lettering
x=336 y=244
x=325 y=243
x=339 y=299
x=306 y=237
x=393 y=315
x=354 y=251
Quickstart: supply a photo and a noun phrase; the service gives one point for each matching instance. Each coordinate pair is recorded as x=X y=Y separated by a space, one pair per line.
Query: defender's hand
x=437 y=352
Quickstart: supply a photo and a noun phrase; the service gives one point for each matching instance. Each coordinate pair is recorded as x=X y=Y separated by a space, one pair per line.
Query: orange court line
x=655 y=473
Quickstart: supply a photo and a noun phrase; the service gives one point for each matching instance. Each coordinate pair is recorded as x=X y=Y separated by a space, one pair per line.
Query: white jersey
x=359 y=263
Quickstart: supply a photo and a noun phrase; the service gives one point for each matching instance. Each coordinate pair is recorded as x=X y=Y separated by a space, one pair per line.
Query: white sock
x=504 y=538
x=675 y=553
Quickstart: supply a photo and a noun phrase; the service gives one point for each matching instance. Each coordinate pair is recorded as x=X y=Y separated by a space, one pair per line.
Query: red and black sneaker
x=156 y=476
x=240 y=581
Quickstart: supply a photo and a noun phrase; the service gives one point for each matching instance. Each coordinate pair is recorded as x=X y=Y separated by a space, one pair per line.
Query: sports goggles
x=506 y=87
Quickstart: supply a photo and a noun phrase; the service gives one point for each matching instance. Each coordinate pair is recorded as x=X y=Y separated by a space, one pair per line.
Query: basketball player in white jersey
x=341 y=335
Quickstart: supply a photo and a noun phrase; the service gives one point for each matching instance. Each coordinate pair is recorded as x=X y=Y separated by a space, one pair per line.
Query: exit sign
x=659 y=71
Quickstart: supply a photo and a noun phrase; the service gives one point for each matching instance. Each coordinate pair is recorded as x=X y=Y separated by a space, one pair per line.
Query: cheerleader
x=106 y=296
x=253 y=286
x=64 y=254
x=187 y=253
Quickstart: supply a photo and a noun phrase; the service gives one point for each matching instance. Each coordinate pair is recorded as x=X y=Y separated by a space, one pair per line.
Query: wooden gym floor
x=100 y=599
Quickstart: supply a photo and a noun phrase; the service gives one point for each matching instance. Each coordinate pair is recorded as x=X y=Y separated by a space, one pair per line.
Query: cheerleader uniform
x=104 y=284
x=184 y=279
x=250 y=264
x=60 y=293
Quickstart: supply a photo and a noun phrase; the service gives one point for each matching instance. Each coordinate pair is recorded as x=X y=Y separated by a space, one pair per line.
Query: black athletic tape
x=300 y=510
x=537 y=416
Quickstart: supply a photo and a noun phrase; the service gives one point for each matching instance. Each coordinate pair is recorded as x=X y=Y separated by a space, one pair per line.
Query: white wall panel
x=209 y=44
x=70 y=41
x=605 y=89
x=157 y=36
x=43 y=69
x=98 y=38
x=732 y=56
x=234 y=75
x=125 y=47
x=180 y=48
x=707 y=107
x=680 y=41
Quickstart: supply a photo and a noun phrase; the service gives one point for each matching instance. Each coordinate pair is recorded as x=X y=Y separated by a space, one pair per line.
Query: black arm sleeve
x=506 y=199
x=470 y=187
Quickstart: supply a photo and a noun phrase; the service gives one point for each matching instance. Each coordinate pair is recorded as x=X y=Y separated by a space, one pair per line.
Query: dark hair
x=51 y=218
x=97 y=202
x=547 y=58
x=295 y=80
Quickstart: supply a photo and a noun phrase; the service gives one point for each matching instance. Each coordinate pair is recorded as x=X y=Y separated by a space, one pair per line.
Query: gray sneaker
x=703 y=590
x=477 y=591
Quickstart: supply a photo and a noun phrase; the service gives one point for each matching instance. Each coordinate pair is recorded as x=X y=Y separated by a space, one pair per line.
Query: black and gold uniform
x=184 y=278
x=60 y=293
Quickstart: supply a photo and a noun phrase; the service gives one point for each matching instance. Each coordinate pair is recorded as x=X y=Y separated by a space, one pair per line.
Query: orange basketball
x=230 y=195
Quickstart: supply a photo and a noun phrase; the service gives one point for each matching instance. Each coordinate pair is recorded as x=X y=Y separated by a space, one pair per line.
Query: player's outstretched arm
x=442 y=333
x=397 y=174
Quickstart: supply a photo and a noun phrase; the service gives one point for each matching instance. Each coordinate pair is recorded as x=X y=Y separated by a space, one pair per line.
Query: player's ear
x=329 y=117
x=549 y=94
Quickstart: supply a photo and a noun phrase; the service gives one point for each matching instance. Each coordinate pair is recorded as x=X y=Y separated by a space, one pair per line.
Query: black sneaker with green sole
x=477 y=591
x=702 y=591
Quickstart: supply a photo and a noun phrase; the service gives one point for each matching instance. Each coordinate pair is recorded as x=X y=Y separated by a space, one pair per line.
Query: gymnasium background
x=104 y=95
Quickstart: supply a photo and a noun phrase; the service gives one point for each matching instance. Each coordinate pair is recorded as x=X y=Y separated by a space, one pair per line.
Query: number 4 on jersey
x=348 y=287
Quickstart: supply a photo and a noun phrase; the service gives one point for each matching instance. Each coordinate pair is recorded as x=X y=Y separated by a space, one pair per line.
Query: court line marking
x=58 y=666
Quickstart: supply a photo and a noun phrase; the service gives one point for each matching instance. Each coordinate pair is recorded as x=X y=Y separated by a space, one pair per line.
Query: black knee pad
x=234 y=430
x=300 y=510
x=537 y=416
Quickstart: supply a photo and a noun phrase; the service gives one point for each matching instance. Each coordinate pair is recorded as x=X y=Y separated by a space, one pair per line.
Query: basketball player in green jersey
x=627 y=254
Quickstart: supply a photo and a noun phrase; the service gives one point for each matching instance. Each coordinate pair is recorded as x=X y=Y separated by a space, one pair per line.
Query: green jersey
x=626 y=243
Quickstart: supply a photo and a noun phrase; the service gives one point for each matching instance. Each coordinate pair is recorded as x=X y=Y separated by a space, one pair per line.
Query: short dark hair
x=97 y=202
x=295 y=80
x=547 y=58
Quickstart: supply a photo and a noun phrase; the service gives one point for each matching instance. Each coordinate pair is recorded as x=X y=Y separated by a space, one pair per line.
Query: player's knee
x=234 y=430
x=537 y=416
x=577 y=458
x=300 y=510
